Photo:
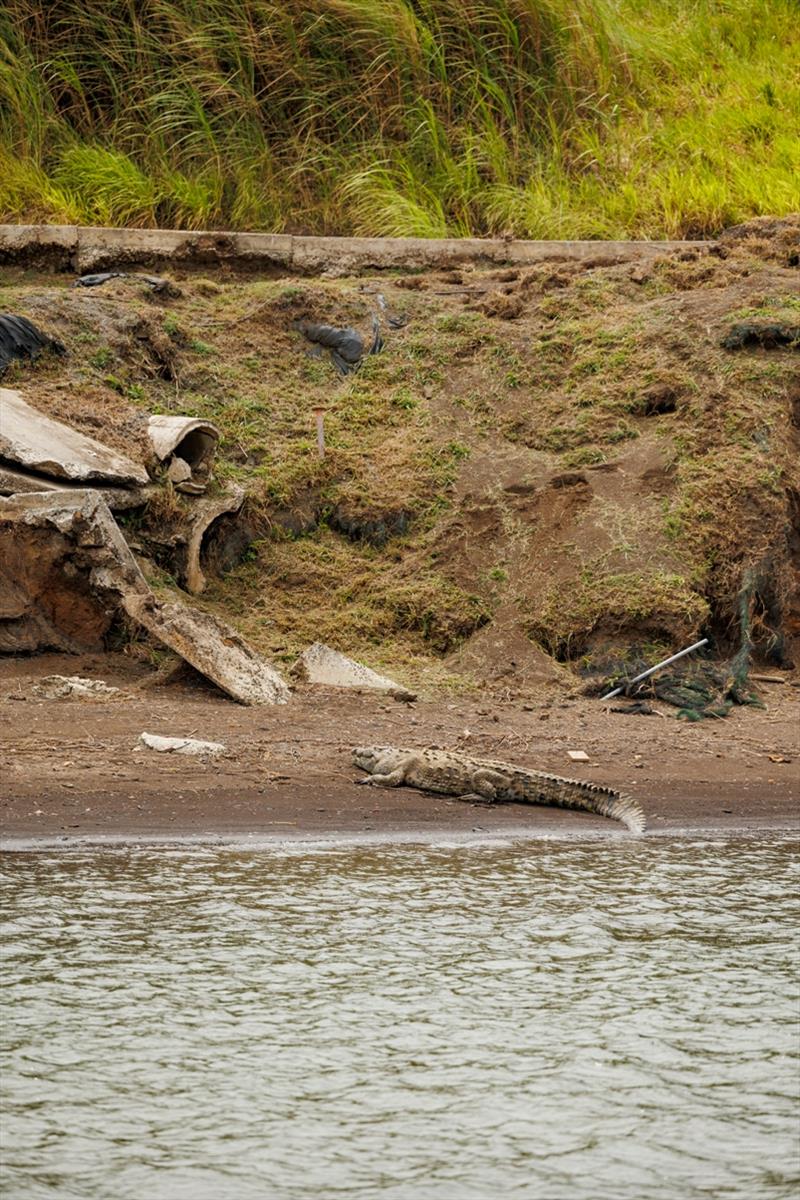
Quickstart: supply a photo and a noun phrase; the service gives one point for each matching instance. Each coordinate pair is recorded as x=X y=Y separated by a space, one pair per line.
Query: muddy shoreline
x=72 y=770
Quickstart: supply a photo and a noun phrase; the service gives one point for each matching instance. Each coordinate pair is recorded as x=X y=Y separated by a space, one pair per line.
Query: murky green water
x=551 y=1020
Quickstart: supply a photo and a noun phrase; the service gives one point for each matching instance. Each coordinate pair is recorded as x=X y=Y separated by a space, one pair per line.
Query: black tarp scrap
x=346 y=346
x=20 y=338
x=162 y=287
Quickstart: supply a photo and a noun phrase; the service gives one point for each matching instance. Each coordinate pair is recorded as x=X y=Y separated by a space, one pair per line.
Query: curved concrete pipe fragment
x=186 y=438
x=204 y=514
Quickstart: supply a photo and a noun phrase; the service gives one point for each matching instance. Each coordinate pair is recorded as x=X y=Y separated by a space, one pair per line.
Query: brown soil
x=74 y=768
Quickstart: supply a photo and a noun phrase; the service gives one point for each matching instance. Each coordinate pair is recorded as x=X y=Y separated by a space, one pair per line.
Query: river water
x=611 y=1018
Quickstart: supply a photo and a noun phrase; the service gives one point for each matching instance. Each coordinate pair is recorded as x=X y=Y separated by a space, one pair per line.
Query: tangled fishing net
x=697 y=688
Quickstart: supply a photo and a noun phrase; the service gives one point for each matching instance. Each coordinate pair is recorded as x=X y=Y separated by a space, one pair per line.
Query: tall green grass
x=538 y=118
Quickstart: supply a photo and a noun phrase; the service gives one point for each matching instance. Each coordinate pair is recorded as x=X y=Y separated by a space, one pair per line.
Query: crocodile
x=487 y=781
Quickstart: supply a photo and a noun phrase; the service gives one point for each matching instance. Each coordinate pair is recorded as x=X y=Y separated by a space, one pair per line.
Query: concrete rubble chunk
x=178 y=470
x=320 y=664
x=211 y=647
x=70 y=572
x=32 y=440
x=59 y=687
x=177 y=745
x=14 y=481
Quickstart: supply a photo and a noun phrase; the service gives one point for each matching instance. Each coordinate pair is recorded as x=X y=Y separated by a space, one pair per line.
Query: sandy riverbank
x=74 y=769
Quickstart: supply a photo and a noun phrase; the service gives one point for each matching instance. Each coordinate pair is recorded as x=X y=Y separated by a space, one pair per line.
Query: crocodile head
x=368 y=757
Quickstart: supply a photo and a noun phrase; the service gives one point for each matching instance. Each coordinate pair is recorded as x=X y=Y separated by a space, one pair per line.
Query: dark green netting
x=699 y=688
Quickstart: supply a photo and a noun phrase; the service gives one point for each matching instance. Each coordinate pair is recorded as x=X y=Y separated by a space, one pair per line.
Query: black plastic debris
x=86 y=281
x=162 y=287
x=347 y=347
x=20 y=338
x=768 y=335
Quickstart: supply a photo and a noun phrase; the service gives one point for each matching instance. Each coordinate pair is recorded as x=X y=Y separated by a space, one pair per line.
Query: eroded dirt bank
x=73 y=768
x=549 y=476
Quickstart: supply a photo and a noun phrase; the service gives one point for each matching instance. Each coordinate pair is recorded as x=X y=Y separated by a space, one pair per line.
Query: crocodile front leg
x=393 y=779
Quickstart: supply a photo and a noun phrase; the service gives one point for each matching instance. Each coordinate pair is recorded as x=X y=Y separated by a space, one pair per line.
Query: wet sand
x=73 y=768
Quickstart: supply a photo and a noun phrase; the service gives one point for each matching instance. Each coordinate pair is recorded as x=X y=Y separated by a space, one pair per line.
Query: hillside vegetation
x=546 y=468
x=537 y=118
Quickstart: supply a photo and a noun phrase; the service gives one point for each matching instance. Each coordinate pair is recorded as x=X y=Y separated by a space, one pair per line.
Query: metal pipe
x=657 y=667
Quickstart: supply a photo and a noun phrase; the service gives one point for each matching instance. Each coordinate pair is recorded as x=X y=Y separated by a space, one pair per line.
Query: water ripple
x=544 y=1022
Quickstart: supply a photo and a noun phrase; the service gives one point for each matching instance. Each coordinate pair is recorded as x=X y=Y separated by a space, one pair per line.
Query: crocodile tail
x=619 y=807
x=629 y=811
x=608 y=803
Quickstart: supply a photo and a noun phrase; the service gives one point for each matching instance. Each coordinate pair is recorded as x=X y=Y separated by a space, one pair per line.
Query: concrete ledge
x=82 y=249
x=55 y=245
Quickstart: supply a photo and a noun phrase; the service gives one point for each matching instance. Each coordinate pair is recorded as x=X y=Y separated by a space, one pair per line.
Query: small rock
x=578 y=755
x=174 y=745
x=178 y=470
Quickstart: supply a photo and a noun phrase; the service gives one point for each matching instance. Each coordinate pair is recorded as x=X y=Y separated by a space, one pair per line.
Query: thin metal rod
x=657 y=667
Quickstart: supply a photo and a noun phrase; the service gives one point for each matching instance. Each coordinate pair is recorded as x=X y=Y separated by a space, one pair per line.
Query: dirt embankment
x=551 y=464
x=550 y=473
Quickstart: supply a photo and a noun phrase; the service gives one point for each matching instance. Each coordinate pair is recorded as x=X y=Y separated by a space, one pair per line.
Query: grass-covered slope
x=546 y=465
x=540 y=118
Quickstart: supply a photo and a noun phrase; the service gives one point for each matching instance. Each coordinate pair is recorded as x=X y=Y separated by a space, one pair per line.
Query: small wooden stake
x=319 y=413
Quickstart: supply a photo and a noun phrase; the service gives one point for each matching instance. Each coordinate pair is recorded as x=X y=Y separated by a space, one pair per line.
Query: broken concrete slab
x=320 y=664
x=55 y=246
x=176 y=745
x=95 y=249
x=52 y=545
x=32 y=440
x=211 y=647
x=70 y=574
x=15 y=481
x=101 y=248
